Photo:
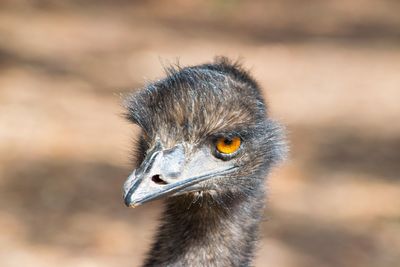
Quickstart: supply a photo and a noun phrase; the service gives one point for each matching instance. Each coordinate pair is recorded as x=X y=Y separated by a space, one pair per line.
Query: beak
x=170 y=172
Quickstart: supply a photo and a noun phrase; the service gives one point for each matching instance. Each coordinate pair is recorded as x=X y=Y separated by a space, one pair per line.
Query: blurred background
x=331 y=73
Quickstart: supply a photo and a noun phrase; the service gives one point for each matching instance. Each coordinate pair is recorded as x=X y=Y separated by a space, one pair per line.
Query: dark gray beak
x=166 y=172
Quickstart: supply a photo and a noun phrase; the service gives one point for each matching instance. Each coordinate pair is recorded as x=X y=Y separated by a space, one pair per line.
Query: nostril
x=157 y=179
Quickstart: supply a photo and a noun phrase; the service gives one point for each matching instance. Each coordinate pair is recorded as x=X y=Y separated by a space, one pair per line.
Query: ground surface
x=331 y=73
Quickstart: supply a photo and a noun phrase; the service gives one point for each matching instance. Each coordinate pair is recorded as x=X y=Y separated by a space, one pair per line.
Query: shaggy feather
x=217 y=226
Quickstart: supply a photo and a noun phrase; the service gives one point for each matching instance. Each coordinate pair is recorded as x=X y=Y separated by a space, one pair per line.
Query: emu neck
x=219 y=231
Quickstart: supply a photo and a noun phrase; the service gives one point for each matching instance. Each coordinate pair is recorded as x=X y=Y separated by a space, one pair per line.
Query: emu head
x=205 y=129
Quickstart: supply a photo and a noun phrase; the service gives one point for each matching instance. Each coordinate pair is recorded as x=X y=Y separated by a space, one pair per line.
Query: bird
x=206 y=146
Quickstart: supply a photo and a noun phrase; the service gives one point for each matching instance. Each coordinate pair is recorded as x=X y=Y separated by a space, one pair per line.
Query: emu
x=206 y=146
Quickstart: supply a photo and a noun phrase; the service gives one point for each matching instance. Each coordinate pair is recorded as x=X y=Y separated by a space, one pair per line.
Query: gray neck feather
x=219 y=230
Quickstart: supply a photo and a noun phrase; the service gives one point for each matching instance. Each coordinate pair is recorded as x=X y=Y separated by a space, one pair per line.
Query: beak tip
x=129 y=203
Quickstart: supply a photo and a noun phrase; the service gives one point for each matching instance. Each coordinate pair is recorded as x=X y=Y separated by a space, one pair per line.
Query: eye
x=228 y=146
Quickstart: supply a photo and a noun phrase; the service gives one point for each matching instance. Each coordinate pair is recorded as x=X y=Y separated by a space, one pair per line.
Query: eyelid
x=226 y=156
x=230 y=134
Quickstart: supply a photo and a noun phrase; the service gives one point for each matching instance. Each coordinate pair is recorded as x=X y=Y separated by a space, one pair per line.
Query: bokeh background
x=331 y=73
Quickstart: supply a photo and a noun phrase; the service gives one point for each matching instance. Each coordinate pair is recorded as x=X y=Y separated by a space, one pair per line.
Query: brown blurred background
x=331 y=73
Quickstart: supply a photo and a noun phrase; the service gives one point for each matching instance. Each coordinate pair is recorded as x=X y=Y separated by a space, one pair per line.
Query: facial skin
x=203 y=130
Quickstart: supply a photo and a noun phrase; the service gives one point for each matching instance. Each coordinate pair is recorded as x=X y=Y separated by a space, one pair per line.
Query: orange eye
x=228 y=145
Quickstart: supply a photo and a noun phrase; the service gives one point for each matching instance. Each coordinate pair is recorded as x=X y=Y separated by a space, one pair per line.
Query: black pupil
x=227 y=141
